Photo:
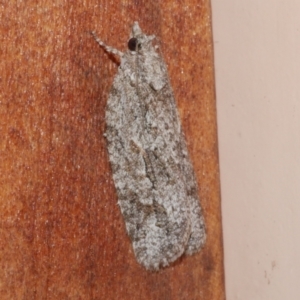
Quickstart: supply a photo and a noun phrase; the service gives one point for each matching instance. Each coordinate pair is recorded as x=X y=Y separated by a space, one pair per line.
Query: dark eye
x=132 y=44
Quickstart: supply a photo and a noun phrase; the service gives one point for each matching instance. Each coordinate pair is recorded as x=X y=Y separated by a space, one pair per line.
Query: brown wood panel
x=61 y=232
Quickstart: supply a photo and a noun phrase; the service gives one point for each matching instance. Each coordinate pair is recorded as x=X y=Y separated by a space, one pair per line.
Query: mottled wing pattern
x=153 y=175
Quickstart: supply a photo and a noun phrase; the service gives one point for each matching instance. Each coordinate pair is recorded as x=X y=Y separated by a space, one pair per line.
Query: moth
x=152 y=172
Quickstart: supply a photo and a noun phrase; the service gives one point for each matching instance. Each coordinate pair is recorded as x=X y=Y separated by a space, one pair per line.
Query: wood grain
x=61 y=232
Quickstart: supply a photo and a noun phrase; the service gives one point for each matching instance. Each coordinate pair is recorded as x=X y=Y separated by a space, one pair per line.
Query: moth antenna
x=109 y=49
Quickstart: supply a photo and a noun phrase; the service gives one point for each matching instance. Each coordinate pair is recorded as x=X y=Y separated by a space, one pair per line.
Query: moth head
x=138 y=40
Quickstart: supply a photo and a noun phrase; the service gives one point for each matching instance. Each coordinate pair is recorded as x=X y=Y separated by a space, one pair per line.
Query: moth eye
x=132 y=44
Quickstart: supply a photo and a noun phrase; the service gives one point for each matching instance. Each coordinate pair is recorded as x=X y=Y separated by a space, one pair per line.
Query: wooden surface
x=61 y=232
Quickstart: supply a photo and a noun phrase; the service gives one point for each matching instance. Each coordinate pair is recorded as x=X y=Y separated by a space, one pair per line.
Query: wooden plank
x=61 y=232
